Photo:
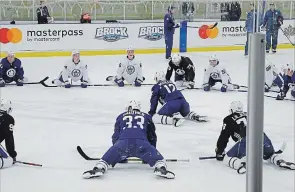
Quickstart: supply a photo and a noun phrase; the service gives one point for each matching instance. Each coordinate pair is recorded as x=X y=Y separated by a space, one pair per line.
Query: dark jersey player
x=234 y=126
x=6 y=134
x=184 y=71
x=134 y=136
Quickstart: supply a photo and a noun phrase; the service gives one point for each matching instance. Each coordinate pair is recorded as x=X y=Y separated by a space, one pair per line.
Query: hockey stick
x=32 y=83
x=287 y=37
x=209 y=157
x=26 y=163
x=286 y=99
x=215 y=24
x=86 y=157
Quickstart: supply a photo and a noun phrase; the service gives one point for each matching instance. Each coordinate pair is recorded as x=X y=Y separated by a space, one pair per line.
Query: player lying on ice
x=216 y=73
x=129 y=70
x=234 y=126
x=184 y=71
x=175 y=108
x=74 y=70
x=11 y=70
x=6 y=134
x=134 y=136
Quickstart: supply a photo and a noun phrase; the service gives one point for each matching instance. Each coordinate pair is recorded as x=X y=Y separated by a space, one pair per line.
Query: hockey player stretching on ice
x=234 y=126
x=11 y=70
x=289 y=82
x=74 y=70
x=129 y=70
x=173 y=103
x=184 y=71
x=134 y=136
x=216 y=73
x=6 y=134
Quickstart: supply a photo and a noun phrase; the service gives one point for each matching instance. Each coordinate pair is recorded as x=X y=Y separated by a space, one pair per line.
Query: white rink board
x=146 y=36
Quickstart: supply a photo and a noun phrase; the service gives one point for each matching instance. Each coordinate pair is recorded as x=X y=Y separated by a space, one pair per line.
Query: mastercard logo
x=12 y=35
x=205 y=32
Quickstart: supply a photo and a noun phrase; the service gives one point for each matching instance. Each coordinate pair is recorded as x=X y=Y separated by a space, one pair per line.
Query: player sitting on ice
x=289 y=82
x=273 y=77
x=216 y=73
x=184 y=71
x=129 y=70
x=134 y=136
x=11 y=70
x=6 y=134
x=234 y=126
x=74 y=70
x=173 y=103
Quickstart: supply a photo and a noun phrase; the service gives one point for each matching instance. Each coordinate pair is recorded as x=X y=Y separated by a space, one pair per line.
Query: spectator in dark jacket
x=42 y=13
x=85 y=18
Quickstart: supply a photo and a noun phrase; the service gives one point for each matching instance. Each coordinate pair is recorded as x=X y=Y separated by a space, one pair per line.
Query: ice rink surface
x=51 y=122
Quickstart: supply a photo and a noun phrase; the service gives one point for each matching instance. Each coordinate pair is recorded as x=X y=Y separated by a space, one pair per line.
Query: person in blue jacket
x=273 y=20
x=252 y=19
x=169 y=28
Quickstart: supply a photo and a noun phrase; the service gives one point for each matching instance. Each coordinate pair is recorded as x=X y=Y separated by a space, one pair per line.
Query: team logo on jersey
x=111 y=34
x=10 y=72
x=214 y=75
x=130 y=69
x=76 y=73
x=151 y=33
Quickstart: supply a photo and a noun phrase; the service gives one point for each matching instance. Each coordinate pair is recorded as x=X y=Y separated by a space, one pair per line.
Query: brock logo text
x=151 y=33
x=111 y=34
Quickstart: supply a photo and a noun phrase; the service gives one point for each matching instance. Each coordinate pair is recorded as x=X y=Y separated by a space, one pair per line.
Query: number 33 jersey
x=134 y=125
x=234 y=126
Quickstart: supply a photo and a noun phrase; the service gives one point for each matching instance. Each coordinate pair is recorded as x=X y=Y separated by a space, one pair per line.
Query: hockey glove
x=206 y=87
x=2 y=83
x=219 y=155
x=67 y=84
x=84 y=84
x=119 y=82
x=266 y=88
x=20 y=82
x=138 y=82
x=223 y=88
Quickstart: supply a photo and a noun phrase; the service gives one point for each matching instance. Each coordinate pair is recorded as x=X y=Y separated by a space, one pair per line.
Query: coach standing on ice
x=169 y=28
x=251 y=19
x=273 y=20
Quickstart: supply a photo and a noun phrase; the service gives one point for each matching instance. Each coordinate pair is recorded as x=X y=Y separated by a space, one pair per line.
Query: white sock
x=101 y=164
x=233 y=162
x=162 y=119
x=161 y=163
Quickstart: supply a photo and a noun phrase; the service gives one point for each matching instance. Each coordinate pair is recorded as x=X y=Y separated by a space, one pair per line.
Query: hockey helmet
x=159 y=76
x=75 y=52
x=236 y=107
x=133 y=105
x=5 y=106
x=213 y=60
x=176 y=58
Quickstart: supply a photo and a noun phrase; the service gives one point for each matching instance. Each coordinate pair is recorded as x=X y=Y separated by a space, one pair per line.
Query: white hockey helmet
x=236 y=107
x=75 y=52
x=133 y=105
x=289 y=66
x=130 y=48
x=213 y=60
x=159 y=76
x=5 y=106
x=10 y=53
x=176 y=58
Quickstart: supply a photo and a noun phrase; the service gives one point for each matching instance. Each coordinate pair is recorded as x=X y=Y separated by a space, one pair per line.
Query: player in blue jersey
x=134 y=136
x=11 y=70
x=174 y=108
x=289 y=82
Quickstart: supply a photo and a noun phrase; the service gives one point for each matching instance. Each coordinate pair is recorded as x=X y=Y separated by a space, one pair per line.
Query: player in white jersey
x=273 y=77
x=74 y=70
x=216 y=73
x=129 y=70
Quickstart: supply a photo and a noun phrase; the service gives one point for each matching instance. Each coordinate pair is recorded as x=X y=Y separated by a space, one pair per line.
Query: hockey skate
x=95 y=172
x=177 y=120
x=163 y=172
x=200 y=118
x=286 y=165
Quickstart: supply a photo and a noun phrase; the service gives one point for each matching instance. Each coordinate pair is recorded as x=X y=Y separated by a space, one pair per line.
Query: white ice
x=51 y=122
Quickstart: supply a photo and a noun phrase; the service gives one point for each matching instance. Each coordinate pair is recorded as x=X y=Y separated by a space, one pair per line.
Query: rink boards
x=115 y=38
